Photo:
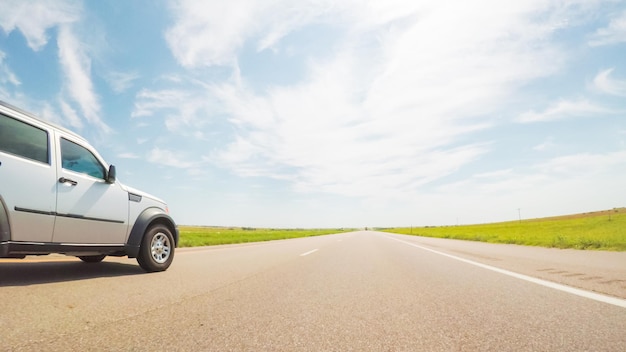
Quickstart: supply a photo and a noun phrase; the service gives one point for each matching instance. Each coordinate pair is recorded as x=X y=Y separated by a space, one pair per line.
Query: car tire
x=92 y=258
x=157 y=249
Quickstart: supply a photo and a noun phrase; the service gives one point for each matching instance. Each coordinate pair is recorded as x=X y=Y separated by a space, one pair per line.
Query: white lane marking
x=309 y=252
x=582 y=293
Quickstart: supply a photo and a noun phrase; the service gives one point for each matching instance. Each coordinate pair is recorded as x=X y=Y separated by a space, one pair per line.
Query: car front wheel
x=157 y=249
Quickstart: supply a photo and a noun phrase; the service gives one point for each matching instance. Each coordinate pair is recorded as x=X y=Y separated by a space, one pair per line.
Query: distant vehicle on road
x=57 y=195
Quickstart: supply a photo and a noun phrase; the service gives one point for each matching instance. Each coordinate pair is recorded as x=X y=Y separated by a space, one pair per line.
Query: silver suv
x=57 y=195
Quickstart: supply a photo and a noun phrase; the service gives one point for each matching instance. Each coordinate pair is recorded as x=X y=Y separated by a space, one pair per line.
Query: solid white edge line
x=309 y=252
x=575 y=291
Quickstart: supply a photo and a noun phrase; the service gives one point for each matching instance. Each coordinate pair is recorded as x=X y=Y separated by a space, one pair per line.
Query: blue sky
x=328 y=113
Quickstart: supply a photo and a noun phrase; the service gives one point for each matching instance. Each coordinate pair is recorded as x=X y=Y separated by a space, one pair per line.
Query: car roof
x=41 y=121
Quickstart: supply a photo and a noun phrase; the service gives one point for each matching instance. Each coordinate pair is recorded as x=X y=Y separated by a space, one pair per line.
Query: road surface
x=360 y=291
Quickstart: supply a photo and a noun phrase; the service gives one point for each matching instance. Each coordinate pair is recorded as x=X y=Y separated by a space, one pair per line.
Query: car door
x=89 y=210
x=27 y=179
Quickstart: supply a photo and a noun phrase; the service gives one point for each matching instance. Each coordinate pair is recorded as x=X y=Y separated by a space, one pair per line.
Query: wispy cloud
x=415 y=105
x=583 y=164
x=35 y=17
x=393 y=107
x=614 y=33
x=219 y=29
x=148 y=102
x=121 y=81
x=544 y=146
x=128 y=156
x=567 y=183
x=6 y=75
x=494 y=174
x=70 y=114
x=166 y=157
x=607 y=84
x=76 y=65
x=564 y=109
x=387 y=116
x=185 y=110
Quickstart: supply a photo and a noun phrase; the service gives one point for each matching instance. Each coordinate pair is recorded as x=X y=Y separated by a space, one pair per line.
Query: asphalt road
x=361 y=291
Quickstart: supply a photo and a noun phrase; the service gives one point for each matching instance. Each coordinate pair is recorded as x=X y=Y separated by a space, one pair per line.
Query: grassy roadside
x=195 y=236
x=602 y=230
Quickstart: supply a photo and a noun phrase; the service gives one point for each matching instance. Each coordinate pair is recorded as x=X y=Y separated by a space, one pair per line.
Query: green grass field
x=195 y=236
x=602 y=230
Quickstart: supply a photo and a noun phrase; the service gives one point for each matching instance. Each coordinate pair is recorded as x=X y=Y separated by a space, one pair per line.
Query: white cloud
x=386 y=116
x=211 y=33
x=128 y=156
x=613 y=33
x=6 y=75
x=76 y=66
x=185 y=110
x=564 y=109
x=166 y=157
x=35 y=17
x=394 y=107
x=562 y=185
x=494 y=174
x=147 y=102
x=579 y=168
x=583 y=164
x=121 y=81
x=47 y=112
x=605 y=83
x=70 y=115
x=544 y=146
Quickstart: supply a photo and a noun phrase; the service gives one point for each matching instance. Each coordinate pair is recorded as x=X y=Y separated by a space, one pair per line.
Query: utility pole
x=519 y=214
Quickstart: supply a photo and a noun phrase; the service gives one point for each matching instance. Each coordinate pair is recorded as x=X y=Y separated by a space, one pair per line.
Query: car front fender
x=146 y=219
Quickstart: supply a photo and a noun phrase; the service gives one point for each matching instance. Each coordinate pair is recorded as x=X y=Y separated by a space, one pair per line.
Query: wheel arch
x=146 y=219
x=5 y=226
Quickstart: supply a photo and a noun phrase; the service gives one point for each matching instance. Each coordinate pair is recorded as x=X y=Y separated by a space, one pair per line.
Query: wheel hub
x=160 y=248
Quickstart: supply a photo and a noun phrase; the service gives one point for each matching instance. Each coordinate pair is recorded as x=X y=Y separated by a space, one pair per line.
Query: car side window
x=79 y=159
x=24 y=140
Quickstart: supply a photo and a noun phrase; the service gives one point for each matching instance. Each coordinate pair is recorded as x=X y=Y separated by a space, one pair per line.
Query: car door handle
x=67 y=180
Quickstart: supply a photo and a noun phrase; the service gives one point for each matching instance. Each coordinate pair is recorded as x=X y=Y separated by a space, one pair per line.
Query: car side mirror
x=111 y=174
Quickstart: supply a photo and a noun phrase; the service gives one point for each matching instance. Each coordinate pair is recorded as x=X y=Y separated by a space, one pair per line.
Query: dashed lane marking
x=309 y=252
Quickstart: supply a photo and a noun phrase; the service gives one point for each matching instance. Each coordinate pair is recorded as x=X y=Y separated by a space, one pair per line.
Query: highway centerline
x=582 y=293
x=309 y=252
